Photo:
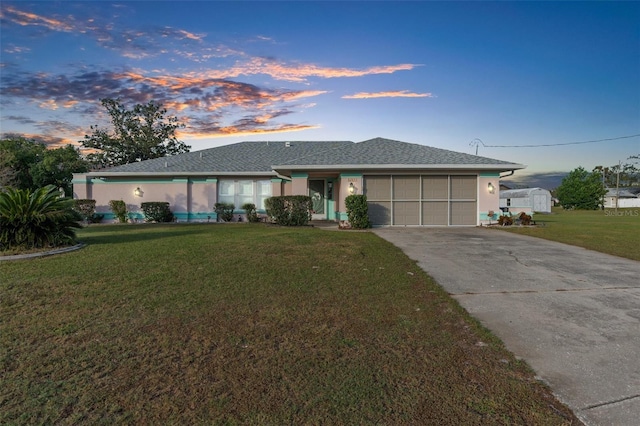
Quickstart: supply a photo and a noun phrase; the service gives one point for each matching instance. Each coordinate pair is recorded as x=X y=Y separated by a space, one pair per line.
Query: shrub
x=358 y=211
x=289 y=210
x=524 y=218
x=225 y=211
x=252 y=214
x=96 y=218
x=505 y=220
x=36 y=219
x=86 y=208
x=119 y=208
x=276 y=210
x=156 y=211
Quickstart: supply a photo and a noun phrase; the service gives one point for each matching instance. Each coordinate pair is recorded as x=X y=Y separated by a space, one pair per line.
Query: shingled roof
x=380 y=152
x=242 y=157
x=268 y=157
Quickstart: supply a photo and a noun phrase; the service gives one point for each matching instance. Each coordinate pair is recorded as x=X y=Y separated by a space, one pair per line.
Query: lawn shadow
x=128 y=233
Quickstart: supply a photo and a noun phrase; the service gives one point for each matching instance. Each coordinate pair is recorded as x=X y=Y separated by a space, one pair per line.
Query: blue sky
x=434 y=73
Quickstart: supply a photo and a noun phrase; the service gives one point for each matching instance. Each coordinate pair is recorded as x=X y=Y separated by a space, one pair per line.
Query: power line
x=478 y=141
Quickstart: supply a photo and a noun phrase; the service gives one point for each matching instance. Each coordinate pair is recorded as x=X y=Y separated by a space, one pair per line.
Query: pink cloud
x=388 y=94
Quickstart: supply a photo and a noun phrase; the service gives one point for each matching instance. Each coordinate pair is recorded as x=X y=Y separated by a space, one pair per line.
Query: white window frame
x=238 y=197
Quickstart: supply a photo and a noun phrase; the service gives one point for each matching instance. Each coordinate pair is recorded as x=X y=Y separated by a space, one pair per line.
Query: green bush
x=252 y=214
x=276 y=210
x=225 y=211
x=289 y=210
x=358 y=211
x=86 y=209
x=36 y=219
x=119 y=208
x=156 y=211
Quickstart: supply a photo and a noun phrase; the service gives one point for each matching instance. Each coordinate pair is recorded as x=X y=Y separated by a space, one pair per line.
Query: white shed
x=526 y=200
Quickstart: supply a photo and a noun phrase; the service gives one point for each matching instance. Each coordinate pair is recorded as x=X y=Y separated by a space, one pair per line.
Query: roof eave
x=178 y=173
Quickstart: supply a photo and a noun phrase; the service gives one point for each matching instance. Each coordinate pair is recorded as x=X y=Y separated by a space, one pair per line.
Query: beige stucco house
x=405 y=184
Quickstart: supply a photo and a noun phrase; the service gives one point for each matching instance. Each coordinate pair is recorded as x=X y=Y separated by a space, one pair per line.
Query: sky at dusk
x=451 y=75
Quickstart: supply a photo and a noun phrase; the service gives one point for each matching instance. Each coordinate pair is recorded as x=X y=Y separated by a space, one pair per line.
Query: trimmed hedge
x=156 y=211
x=289 y=210
x=358 y=211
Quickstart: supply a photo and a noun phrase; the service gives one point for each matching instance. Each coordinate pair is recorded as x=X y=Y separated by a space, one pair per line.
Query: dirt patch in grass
x=249 y=325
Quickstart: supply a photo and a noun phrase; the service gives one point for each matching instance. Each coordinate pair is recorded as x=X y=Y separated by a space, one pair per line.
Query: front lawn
x=248 y=324
x=606 y=231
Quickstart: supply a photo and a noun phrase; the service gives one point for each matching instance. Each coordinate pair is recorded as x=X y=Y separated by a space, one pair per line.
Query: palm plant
x=36 y=219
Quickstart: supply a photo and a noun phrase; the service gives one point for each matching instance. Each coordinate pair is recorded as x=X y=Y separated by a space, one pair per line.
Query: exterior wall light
x=352 y=188
x=492 y=189
x=138 y=192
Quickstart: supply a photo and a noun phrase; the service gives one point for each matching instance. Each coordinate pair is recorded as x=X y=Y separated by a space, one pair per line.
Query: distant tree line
x=27 y=164
x=585 y=190
x=623 y=174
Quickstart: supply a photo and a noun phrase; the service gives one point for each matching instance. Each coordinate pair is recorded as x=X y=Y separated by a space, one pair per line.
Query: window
x=226 y=192
x=245 y=193
x=263 y=191
x=240 y=192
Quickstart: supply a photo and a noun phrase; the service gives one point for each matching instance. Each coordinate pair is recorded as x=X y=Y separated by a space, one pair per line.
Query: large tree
x=581 y=189
x=57 y=168
x=138 y=134
x=17 y=156
x=26 y=164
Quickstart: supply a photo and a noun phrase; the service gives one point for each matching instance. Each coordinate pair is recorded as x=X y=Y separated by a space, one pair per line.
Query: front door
x=318 y=199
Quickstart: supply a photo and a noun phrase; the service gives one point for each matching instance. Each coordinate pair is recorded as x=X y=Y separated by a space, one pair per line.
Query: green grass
x=248 y=324
x=603 y=231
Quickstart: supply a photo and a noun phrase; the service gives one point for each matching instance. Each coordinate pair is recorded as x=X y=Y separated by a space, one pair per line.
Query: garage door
x=421 y=199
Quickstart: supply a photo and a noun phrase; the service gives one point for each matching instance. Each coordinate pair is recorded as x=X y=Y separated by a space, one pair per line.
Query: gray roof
x=620 y=193
x=242 y=157
x=266 y=157
x=523 y=192
x=386 y=153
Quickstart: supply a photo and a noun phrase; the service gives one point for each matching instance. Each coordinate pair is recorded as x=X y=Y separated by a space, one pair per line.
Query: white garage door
x=421 y=199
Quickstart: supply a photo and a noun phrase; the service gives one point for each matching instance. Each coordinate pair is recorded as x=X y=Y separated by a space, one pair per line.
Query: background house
x=621 y=198
x=405 y=184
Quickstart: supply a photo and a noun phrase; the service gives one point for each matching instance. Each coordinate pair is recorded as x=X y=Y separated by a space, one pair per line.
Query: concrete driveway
x=571 y=313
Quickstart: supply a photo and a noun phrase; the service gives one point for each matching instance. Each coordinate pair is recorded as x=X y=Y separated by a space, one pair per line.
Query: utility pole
x=475 y=143
x=618 y=186
x=604 y=187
